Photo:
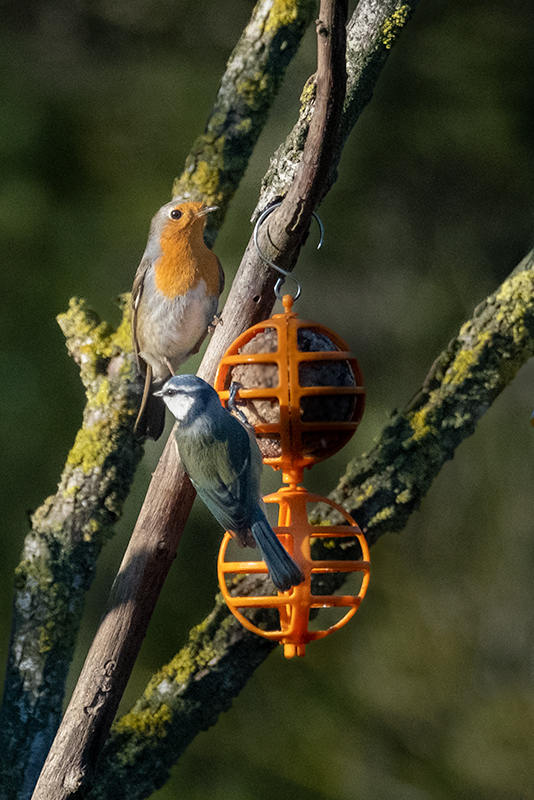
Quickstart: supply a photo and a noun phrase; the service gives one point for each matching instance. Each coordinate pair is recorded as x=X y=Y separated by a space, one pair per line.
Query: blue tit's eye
x=176 y=213
x=170 y=392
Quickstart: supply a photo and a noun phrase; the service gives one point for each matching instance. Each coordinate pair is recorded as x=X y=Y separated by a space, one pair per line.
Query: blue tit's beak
x=159 y=393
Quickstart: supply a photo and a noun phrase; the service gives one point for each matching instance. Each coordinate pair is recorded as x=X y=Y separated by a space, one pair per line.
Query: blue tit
x=223 y=461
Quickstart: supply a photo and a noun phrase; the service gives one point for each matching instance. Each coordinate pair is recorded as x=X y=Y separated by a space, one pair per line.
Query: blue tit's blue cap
x=191 y=384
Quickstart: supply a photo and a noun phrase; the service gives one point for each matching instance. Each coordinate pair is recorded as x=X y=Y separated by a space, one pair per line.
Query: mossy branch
x=373 y=29
x=71 y=764
x=67 y=533
x=372 y=43
x=381 y=489
x=183 y=698
x=254 y=73
x=60 y=552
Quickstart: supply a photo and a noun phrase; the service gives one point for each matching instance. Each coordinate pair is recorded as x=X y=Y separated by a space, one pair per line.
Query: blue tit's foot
x=235 y=386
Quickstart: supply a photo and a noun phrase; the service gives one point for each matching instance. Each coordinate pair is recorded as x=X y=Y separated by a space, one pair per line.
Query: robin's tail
x=151 y=417
x=282 y=569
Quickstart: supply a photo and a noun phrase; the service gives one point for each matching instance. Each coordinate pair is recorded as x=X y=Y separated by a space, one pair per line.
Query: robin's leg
x=217 y=320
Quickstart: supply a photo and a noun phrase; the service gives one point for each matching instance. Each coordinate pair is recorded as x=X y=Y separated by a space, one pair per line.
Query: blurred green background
x=429 y=692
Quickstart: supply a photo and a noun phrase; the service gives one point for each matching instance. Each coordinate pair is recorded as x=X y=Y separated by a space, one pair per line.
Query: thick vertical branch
x=60 y=552
x=373 y=30
x=68 y=769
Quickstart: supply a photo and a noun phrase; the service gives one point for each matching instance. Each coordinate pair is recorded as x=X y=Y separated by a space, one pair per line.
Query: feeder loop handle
x=280 y=282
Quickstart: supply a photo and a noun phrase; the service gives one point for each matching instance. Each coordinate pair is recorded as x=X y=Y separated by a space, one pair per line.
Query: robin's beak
x=206 y=210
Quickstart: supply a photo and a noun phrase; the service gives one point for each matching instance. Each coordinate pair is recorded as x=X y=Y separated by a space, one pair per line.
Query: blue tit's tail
x=282 y=569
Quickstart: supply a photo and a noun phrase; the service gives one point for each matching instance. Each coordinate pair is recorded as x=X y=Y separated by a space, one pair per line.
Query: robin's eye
x=176 y=213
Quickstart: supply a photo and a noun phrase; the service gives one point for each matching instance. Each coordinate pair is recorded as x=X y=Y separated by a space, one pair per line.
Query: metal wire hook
x=280 y=282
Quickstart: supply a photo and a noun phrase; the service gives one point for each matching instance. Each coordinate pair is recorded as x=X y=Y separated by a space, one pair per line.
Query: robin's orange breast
x=185 y=261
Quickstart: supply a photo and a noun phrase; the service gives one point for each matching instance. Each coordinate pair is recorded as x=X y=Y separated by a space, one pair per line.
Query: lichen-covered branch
x=371 y=33
x=183 y=698
x=60 y=552
x=71 y=764
x=254 y=73
x=381 y=489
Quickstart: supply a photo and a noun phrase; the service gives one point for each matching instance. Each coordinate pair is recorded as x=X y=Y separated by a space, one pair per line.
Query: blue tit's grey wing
x=220 y=469
x=227 y=502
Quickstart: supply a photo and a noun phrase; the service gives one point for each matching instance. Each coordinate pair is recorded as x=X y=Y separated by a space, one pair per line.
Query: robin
x=175 y=296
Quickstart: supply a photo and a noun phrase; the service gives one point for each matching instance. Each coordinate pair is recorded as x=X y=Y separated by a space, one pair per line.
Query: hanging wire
x=280 y=282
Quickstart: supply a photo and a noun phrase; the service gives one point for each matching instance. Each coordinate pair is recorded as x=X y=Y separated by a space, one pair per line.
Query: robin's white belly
x=172 y=329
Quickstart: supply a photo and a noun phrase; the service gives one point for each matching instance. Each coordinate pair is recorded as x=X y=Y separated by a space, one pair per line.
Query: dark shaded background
x=429 y=692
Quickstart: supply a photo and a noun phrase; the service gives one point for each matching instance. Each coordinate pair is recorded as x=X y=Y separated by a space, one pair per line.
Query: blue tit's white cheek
x=180 y=405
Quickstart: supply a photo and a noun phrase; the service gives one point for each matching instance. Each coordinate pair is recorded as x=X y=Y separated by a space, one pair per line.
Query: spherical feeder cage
x=302 y=390
x=296 y=534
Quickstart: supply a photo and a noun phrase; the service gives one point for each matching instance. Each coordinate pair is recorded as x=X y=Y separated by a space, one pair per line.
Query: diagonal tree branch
x=381 y=490
x=68 y=769
x=254 y=73
x=68 y=531
x=248 y=298
x=371 y=33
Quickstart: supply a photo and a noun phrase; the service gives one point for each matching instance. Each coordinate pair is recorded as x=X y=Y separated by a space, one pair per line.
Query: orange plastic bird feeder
x=303 y=393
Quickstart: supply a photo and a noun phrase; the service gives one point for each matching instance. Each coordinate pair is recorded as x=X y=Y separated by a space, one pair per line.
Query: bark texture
x=381 y=490
x=60 y=552
x=69 y=768
x=371 y=33
x=67 y=533
x=254 y=73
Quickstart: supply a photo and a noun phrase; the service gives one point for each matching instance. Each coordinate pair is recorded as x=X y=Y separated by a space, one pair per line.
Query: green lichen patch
x=200 y=651
x=256 y=90
x=515 y=301
x=121 y=339
x=146 y=723
x=466 y=360
x=90 y=447
x=383 y=515
x=393 y=25
x=404 y=496
x=202 y=177
x=33 y=575
x=88 y=338
x=420 y=423
x=206 y=180
x=308 y=93
x=282 y=14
